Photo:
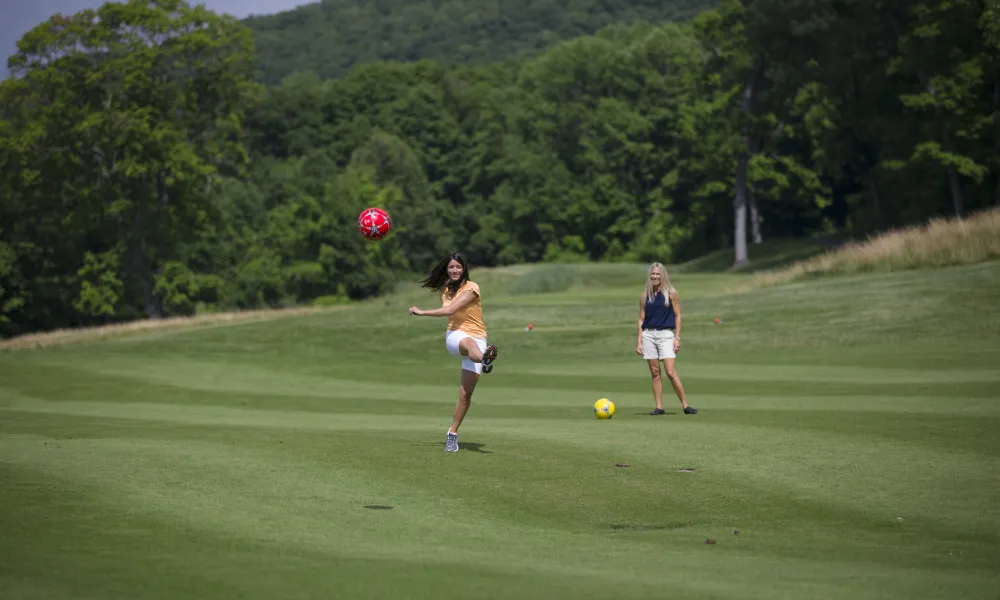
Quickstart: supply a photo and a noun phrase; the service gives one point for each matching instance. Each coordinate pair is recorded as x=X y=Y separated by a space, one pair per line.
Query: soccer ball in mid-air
x=374 y=223
x=604 y=409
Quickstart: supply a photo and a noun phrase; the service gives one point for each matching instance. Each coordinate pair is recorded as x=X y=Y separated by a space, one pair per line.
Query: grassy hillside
x=768 y=255
x=849 y=429
x=331 y=36
x=941 y=242
x=938 y=243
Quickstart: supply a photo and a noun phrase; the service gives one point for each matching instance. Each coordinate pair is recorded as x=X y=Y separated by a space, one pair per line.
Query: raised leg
x=470 y=349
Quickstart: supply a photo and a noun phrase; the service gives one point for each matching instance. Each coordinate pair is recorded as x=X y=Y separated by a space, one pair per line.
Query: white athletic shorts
x=657 y=344
x=451 y=341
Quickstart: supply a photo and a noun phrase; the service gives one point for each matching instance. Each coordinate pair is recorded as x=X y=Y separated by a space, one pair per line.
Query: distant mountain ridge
x=331 y=36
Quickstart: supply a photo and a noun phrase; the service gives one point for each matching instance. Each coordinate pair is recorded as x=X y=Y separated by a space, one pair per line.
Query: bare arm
x=675 y=301
x=463 y=300
x=642 y=317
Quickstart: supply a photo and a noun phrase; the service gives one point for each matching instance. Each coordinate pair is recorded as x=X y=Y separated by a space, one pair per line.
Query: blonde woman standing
x=660 y=334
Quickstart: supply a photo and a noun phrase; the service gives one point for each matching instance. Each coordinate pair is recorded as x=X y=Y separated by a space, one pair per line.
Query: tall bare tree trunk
x=754 y=218
x=956 y=192
x=740 y=200
x=740 y=213
x=953 y=176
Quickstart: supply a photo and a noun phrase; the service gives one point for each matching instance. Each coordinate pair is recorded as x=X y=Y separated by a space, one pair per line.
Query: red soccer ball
x=374 y=223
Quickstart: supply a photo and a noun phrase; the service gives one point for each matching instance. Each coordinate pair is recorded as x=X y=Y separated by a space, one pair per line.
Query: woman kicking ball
x=466 y=333
x=660 y=334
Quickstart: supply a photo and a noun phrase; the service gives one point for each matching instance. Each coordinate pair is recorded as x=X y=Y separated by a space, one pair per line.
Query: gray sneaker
x=452 y=444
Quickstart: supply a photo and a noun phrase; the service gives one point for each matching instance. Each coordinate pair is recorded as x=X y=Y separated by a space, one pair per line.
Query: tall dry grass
x=939 y=243
x=62 y=337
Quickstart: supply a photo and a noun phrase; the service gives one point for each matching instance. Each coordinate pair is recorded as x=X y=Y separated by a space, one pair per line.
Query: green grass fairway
x=849 y=428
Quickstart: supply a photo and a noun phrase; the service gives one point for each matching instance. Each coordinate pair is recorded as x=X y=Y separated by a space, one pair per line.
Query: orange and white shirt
x=469 y=318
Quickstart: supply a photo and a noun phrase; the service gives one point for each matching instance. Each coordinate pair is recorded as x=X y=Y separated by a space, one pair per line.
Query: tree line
x=144 y=173
x=331 y=36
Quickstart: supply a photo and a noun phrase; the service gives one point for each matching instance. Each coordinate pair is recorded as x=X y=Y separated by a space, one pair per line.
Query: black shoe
x=690 y=410
x=488 y=357
x=657 y=411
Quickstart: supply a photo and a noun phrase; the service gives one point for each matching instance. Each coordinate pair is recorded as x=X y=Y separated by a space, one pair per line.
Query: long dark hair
x=438 y=278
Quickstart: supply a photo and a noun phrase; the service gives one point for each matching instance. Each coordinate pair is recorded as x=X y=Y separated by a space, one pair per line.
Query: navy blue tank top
x=659 y=313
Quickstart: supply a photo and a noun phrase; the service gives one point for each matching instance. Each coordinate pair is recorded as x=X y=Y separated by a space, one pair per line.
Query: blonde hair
x=665 y=285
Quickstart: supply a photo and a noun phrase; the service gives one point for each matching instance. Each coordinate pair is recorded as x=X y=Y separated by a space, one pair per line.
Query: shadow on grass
x=473 y=446
x=470 y=446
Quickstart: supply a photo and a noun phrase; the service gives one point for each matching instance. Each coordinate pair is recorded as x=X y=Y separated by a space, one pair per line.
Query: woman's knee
x=465 y=394
x=468 y=386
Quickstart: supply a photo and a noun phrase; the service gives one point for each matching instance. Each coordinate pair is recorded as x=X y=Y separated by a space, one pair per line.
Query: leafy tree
x=115 y=122
x=943 y=60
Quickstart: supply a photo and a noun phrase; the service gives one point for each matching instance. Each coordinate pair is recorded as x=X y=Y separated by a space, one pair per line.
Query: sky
x=17 y=17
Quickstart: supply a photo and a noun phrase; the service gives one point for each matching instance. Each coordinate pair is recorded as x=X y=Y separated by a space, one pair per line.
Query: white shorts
x=658 y=344
x=451 y=341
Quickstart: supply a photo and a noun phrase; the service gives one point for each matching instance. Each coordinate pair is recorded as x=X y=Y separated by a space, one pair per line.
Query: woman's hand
x=416 y=311
x=638 y=348
x=677 y=345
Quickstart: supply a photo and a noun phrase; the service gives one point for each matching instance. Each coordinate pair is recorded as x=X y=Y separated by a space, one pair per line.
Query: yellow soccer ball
x=604 y=409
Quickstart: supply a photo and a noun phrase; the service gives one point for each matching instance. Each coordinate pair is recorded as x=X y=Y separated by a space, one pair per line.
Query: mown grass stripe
x=237 y=461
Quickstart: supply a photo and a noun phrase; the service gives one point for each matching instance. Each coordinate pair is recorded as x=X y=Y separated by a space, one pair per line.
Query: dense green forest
x=144 y=172
x=329 y=37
